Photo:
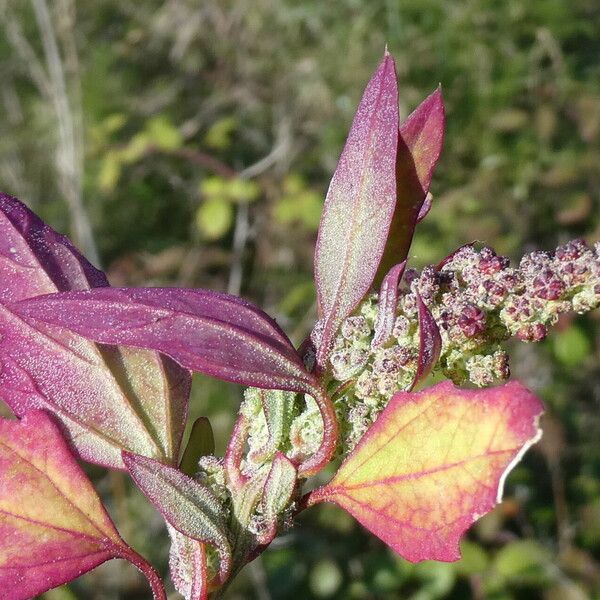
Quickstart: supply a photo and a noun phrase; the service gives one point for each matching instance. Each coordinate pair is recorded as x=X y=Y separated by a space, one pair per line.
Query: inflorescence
x=478 y=301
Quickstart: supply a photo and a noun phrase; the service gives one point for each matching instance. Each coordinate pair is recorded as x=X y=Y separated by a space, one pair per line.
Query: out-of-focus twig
x=51 y=82
x=240 y=238
x=69 y=158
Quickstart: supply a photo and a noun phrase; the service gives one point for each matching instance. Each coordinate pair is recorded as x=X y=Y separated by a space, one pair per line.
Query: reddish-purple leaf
x=419 y=148
x=450 y=256
x=188 y=566
x=433 y=463
x=387 y=305
x=186 y=504
x=425 y=208
x=106 y=398
x=430 y=342
x=35 y=260
x=359 y=206
x=53 y=527
x=210 y=332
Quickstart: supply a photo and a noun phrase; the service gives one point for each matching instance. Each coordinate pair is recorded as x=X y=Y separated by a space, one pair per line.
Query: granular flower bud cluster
x=478 y=301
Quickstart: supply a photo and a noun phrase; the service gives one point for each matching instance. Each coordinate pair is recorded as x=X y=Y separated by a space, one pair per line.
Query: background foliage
x=190 y=143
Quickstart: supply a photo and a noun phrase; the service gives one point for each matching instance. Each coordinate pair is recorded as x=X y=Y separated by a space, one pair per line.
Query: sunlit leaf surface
x=433 y=463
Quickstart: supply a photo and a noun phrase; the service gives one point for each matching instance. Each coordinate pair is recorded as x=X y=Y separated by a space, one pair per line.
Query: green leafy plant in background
x=418 y=468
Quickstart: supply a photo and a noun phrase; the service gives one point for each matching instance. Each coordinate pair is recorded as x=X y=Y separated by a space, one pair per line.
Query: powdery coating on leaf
x=359 y=205
x=53 y=526
x=425 y=208
x=433 y=463
x=430 y=342
x=210 y=332
x=190 y=507
x=36 y=260
x=420 y=144
x=388 y=303
x=423 y=135
x=187 y=566
x=106 y=398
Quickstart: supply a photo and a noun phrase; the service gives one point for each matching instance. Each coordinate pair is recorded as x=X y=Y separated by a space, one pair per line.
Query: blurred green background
x=190 y=143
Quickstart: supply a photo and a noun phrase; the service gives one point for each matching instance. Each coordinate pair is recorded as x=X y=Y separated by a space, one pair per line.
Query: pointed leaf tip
x=359 y=205
x=430 y=342
x=433 y=463
x=188 y=566
x=387 y=305
x=420 y=143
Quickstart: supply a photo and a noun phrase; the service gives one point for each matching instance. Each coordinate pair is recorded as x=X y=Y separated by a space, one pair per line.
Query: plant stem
x=156 y=584
x=321 y=458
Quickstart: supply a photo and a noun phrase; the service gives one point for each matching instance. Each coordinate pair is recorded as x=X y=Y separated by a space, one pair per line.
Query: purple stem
x=323 y=455
x=156 y=584
x=235 y=453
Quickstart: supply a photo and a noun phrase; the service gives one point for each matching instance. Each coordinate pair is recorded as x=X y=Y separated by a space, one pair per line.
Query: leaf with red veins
x=53 y=527
x=430 y=342
x=387 y=305
x=359 y=206
x=106 y=398
x=419 y=148
x=433 y=463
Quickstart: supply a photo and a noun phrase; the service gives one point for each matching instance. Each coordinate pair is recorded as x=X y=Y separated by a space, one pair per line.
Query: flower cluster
x=478 y=301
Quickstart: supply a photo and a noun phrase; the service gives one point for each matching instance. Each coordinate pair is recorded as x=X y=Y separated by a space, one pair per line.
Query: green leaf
x=110 y=171
x=201 y=443
x=214 y=218
x=163 y=134
x=325 y=578
x=213 y=186
x=188 y=505
x=524 y=561
x=219 y=134
x=474 y=559
x=571 y=346
x=279 y=486
x=242 y=190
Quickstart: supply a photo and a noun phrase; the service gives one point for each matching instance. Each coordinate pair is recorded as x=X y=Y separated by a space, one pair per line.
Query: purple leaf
x=36 y=260
x=430 y=342
x=387 y=305
x=106 y=398
x=425 y=208
x=450 y=256
x=210 y=332
x=53 y=526
x=359 y=206
x=419 y=148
